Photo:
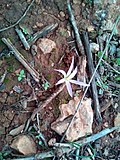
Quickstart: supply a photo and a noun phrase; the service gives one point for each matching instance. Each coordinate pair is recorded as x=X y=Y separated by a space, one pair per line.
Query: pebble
x=94 y=47
x=90 y=28
x=62 y=14
x=39 y=24
x=117 y=120
x=24 y=144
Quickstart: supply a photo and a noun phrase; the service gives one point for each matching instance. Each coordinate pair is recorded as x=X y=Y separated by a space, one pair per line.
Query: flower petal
x=78 y=82
x=71 y=67
x=60 y=81
x=69 y=88
x=61 y=71
x=72 y=74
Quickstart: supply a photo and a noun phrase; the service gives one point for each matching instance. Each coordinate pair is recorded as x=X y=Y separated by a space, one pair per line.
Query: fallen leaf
x=24 y=144
x=81 y=125
x=17 y=130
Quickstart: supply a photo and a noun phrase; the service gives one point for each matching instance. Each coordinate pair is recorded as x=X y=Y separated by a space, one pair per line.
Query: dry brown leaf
x=82 y=123
x=17 y=130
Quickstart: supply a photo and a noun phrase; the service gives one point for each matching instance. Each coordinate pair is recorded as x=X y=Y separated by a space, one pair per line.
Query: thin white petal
x=60 y=81
x=71 y=67
x=73 y=73
x=61 y=71
x=78 y=82
x=69 y=88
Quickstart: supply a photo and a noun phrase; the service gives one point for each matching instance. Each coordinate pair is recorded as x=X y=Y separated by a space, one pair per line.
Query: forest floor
x=21 y=93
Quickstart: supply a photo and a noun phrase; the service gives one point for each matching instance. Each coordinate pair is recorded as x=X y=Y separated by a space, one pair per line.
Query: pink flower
x=68 y=78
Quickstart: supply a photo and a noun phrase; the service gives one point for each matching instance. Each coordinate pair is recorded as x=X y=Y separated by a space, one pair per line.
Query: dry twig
x=22 y=38
x=21 y=59
x=93 y=84
x=77 y=35
x=43 y=32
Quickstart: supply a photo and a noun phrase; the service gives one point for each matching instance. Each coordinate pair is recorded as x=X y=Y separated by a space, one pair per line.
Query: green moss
x=48 y=77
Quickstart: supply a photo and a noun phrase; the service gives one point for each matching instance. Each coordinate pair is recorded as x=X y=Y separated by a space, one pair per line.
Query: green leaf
x=22 y=72
x=18 y=74
x=24 y=30
x=100 y=91
x=99 y=54
x=46 y=85
x=19 y=78
x=117 y=78
x=118 y=61
x=40 y=143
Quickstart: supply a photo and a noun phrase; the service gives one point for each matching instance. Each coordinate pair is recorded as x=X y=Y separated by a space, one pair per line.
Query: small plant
x=68 y=78
x=21 y=75
x=46 y=85
x=4 y=153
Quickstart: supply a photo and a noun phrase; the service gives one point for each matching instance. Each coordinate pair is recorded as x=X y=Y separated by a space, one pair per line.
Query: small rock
x=17 y=89
x=52 y=141
x=75 y=1
x=90 y=28
x=117 y=121
x=46 y=45
x=24 y=144
x=62 y=14
x=82 y=123
x=94 y=47
x=39 y=24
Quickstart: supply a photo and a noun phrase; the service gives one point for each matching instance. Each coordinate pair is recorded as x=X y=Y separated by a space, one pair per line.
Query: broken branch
x=91 y=71
x=21 y=59
x=22 y=38
x=43 y=32
x=77 y=35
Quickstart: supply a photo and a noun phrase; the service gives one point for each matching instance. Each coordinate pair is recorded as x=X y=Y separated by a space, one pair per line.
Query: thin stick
x=89 y=139
x=93 y=83
x=110 y=66
x=13 y=25
x=40 y=155
x=22 y=38
x=77 y=35
x=106 y=105
x=106 y=47
x=42 y=33
x=40 y=107
x=21 y=59
x=3 y=77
